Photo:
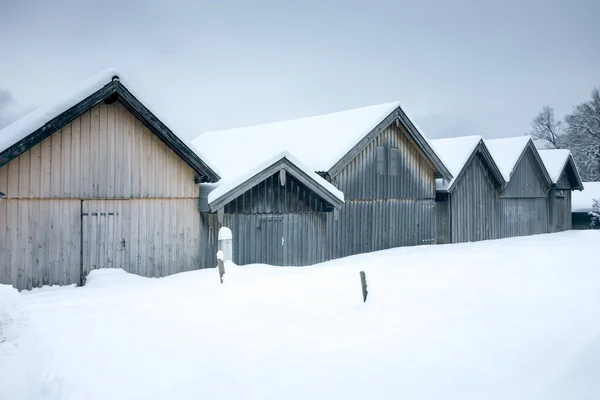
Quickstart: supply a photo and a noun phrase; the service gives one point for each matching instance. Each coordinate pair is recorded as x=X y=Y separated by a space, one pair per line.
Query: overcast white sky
x=459 y=67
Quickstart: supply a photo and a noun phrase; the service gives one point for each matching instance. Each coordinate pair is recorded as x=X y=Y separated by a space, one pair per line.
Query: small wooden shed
x=375 y=155
x=467 y=205
x=277 y=213
x=523 y=202
x=565 y=178
x=96 y=180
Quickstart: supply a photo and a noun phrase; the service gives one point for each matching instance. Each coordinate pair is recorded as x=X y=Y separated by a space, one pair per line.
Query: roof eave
x=129 y=101
x=280 y=164
x=396 y=115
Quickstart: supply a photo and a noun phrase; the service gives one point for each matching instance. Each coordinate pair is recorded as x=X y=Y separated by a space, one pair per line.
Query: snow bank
x=506 y=152
x=226 y=185
x=454 y=153
x=515 y=319
x=581 y=201
x=24 y=370
x=555 y=161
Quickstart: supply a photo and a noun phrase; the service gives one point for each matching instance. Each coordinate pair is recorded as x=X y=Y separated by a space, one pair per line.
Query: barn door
x=104 y=234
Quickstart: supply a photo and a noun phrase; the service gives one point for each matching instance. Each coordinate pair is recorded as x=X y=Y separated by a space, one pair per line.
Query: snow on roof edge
x=506 y=152
x=225 y=186
x=555 y=161
x=37 y=118
x=446 y=149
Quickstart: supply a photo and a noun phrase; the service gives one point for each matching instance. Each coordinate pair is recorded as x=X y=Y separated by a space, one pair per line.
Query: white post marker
x=226 y=243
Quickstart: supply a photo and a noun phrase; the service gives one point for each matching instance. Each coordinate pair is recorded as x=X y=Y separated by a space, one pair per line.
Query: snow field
x=515 y=318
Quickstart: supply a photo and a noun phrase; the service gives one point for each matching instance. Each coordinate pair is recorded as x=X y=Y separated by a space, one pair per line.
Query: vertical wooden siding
x=559 y=209
x=473 y=204
x=147 y=237
x=105 y=154
x=525 y=180
x=390 y=202
x=271 y=224
x=384 y=208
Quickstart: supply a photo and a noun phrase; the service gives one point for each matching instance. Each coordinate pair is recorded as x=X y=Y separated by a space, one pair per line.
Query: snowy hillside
x=508 y=319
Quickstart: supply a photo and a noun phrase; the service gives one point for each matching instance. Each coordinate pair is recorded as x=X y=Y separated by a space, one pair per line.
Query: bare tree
x=583 y=137
x=545 y=127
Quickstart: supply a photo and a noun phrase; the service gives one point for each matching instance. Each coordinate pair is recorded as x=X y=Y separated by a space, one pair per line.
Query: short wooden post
x=220 y=265
x=363 y=284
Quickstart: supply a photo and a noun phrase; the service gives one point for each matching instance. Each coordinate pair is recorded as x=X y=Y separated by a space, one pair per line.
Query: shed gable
x=105 y=153
x=391 y=166
x=270 y=197
x=526 y=180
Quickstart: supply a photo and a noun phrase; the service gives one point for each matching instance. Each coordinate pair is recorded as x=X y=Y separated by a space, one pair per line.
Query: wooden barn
x=467 y=205
x=565 y=178
x=281 y=207
x=96 y=180
x=523 y=202
x=375 y=155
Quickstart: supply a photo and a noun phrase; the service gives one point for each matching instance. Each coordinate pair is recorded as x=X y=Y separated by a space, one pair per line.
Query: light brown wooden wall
x=105 y=153
x=103 y=162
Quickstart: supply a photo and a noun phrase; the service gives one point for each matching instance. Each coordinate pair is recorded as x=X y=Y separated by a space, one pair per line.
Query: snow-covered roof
x=581 y=201
x=454 y=153
x=555 y=161
x=506 y=152
x=39 y=117
x=238 y=177
x=319 y=141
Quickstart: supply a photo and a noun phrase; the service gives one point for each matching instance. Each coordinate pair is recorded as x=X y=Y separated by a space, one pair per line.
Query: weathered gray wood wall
x=559 y=209
x=104 y=155
x=389 y=191
x=559 y=203
x=477 y=210
x=271 y=224
x=473 y=204
x=523 y=205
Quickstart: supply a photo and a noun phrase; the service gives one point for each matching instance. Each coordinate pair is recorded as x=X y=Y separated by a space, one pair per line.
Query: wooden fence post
x=363 y=284
x=220 y=265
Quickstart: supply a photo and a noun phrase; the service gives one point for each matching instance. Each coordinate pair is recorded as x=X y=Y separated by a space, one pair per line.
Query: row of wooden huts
x=98 y=180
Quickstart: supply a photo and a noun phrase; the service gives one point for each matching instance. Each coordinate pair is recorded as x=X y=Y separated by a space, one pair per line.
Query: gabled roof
x=325 y=143
x=582 y=201
x=457 y=153
x=556 y=161
x=106 y=86
x=231 y=188
x=508 y=152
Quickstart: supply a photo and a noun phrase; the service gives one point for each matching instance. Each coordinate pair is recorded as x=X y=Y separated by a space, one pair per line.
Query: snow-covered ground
x=508 y=319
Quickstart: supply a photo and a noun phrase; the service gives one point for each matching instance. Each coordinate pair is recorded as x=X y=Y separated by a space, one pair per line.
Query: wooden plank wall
x=474 y=204
x=39 y=242
x=103 y=155
x=289 y=239
x=526 y=180
x=147 y=237
x=559 y=210
x=384 y=208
